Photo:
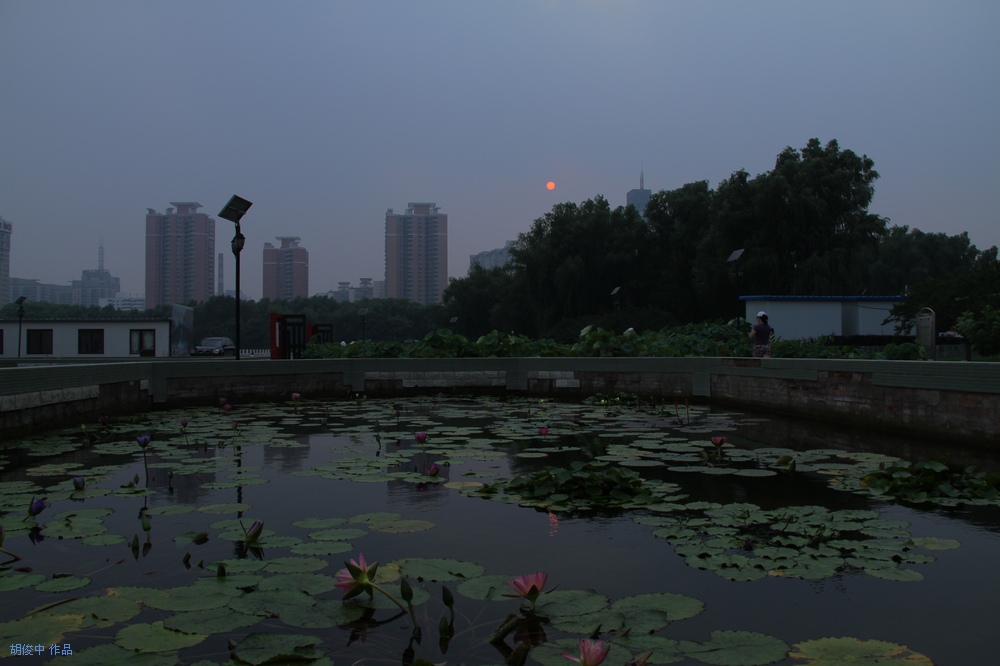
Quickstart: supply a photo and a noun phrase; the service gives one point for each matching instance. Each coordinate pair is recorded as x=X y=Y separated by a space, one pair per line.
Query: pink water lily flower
x=718 y=441
x=420 y=437
x=592 y=652
x=529 y=586
x=543 y=431
x=433 y=469
x=357 y=577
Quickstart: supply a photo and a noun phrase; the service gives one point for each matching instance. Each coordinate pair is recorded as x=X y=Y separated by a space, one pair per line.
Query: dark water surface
x=285 y=464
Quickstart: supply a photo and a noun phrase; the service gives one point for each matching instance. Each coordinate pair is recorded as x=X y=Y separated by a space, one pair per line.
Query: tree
x=678 y=221
x=476 y=301
x=909 y=257
x=571 y=260
x=967 y=294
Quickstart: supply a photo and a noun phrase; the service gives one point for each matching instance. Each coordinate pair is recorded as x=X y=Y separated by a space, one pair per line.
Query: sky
x=327 y=113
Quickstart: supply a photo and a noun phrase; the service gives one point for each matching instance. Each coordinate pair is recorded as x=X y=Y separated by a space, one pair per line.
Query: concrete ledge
x=949 y=400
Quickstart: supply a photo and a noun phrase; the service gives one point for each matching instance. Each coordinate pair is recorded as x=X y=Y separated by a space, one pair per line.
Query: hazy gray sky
x=326 y=113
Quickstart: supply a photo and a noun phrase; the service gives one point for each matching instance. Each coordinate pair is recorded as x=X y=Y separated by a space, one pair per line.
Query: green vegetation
x=803 y=229
x=708 y=339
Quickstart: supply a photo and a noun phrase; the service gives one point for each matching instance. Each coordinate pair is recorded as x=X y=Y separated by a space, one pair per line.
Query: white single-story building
x=803 y=317
x=34 y=339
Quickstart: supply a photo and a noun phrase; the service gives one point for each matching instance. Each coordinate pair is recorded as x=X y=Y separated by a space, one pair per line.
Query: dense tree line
x=802 y=228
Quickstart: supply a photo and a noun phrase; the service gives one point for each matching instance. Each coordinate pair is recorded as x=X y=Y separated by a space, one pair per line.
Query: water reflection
x=304 y=475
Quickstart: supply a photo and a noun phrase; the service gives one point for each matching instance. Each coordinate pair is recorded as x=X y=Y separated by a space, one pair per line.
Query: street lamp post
x=20 y=321
x=234 y=212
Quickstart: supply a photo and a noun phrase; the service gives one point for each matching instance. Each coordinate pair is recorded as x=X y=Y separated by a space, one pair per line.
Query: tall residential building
x=180 y=255
x=640 y=197
x=5 y=231
x=286 y=269
x=416 y=253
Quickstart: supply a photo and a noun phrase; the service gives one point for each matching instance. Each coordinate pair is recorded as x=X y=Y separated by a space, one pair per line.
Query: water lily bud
x=146 y=525
x=79 y=483
x=253 y=534
x=405 y=590
x=36 y=507
x=447 y=597
x=420 y=437
x=143 y=440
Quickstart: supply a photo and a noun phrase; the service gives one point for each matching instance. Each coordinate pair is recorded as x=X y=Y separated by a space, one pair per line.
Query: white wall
x=65 y=337
x=799 y=318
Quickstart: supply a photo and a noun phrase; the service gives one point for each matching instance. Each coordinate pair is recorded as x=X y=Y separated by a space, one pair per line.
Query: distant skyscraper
x=416 y=253
x=5 y=231
x=286 y=270
x=180 y=255
x=639 y=198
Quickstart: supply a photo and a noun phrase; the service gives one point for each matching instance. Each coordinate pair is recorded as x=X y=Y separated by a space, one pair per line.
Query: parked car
x=215 y=347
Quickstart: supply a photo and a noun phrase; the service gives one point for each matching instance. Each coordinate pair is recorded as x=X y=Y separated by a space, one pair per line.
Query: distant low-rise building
x=125 y=302
x=497 y=258
x=347 y=293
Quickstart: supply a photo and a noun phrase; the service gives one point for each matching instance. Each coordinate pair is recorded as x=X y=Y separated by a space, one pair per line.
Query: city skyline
x=326 y=114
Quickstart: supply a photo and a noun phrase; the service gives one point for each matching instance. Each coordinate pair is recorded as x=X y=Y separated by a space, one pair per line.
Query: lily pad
x=155 y=638
x=259 y=648
x=212 y=621
x=736 y=648
x=63 y=584
x=440 y=570
x=847 y=650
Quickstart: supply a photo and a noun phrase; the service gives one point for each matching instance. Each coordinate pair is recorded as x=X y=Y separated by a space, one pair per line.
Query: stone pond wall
x=945 y=400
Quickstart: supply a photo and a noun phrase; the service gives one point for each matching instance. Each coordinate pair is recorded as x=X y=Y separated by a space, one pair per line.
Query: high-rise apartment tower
x=180 y=255
x=286 y=269
x=5 y=231
x=416 y=253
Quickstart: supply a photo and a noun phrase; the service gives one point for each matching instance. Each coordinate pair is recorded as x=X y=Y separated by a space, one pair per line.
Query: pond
x=670 y=533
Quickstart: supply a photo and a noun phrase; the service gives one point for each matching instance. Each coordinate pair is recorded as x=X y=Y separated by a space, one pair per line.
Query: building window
x=90 y=341
x=39 y=340
x=142 y=341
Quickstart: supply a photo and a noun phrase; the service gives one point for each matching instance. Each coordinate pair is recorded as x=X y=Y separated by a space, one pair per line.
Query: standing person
x=760 y=335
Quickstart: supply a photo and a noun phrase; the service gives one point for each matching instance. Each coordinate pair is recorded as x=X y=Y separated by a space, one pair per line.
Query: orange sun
x=550 y=185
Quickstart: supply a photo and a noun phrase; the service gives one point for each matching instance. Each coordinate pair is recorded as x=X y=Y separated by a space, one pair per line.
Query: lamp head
x=235 y=209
